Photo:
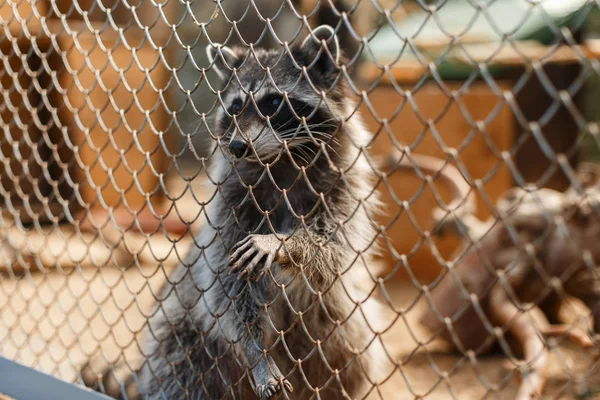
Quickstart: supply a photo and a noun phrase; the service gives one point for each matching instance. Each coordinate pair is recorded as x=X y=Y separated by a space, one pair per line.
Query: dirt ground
x=58 y=320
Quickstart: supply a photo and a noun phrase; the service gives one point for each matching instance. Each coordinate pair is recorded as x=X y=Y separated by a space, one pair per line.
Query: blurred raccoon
x=271 y=301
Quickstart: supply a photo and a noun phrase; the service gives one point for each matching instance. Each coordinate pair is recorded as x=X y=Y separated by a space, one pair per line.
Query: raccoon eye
x=276 y=101
x=236 y=107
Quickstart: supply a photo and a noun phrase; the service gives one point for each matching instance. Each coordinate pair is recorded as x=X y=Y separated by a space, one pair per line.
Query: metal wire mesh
x=306 y=199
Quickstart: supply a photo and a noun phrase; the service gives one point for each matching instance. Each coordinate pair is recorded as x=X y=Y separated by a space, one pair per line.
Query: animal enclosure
x=302 y=199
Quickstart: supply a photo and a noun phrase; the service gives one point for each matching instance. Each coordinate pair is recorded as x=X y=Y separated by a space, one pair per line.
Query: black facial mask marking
x=286 y=121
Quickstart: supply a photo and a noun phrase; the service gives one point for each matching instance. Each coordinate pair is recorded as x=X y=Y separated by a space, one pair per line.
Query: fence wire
x=303 y=199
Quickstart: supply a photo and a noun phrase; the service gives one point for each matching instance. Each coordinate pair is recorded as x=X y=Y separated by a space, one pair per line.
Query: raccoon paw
x=273 y=389
x=253 y=251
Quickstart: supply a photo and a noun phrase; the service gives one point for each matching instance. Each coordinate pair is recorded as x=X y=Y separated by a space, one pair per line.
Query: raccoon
x=271 y=300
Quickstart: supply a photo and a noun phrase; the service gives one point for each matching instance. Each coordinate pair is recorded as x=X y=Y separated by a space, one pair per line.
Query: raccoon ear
x=321 y=43
x=222 y=59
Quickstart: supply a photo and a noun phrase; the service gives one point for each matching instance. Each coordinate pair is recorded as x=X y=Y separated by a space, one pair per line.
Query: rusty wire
x=109 y=116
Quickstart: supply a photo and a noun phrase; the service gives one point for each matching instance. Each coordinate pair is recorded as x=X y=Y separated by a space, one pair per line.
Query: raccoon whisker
x=301 y=128
x=270 y=157
x=328 y=138
x=306 y=105
x=323 y=137
x=302 y=149
x=301 y=157
x=325 y=121
x=305 y=145
x=334 y=151
x=319 y=128
x=295 y=134
x=289 y=134
x=323 y=124
x=294 y=130
x=316 y=137
x=327 y=145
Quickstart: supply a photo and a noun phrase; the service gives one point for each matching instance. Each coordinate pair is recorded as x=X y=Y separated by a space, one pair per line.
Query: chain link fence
x=304 y=199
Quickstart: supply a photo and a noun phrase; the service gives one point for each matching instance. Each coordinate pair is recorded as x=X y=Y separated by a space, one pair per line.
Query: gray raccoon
x=270 y=301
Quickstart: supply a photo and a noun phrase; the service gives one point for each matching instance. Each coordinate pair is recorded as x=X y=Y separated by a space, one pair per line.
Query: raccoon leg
x=250 y=304
x=180 y=362
x=268 y=380
x=320 y=257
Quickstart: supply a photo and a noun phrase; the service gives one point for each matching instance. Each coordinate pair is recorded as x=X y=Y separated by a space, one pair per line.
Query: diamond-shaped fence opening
x=302 y=199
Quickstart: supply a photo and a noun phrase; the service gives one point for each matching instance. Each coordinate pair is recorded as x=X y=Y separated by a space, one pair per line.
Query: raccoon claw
x=250 y=253
x=288 y=386
x=273 y=389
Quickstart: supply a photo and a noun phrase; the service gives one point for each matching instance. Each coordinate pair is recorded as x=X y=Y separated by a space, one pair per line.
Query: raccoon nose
x=238 y=148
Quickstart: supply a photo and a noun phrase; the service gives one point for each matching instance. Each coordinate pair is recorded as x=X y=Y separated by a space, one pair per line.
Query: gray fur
x=307 y=305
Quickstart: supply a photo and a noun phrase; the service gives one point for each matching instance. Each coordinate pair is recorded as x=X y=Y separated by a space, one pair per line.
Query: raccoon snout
x=238 y=148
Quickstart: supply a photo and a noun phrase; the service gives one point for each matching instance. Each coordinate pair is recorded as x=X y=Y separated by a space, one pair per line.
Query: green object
x=491 y=22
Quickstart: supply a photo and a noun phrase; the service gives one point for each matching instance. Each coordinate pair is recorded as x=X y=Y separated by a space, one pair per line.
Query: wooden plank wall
x=478 y=151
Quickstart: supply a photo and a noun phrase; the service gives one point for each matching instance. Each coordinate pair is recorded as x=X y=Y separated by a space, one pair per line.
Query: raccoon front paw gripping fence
x=301 y=199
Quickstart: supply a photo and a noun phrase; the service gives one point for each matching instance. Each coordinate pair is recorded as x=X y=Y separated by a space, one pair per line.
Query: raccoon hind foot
x=273 y=389
x=270 y=382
